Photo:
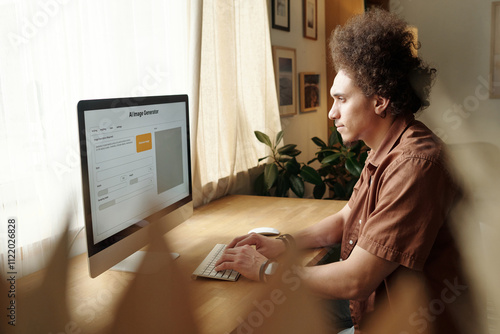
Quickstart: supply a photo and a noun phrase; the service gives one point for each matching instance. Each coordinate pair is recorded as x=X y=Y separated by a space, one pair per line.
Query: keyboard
x=206 y=267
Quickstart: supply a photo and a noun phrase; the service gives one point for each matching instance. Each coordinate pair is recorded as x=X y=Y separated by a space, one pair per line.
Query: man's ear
x=381 y=103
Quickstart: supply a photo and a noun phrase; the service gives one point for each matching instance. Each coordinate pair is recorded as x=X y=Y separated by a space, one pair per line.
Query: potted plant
x=340 y=165
x=283 y=172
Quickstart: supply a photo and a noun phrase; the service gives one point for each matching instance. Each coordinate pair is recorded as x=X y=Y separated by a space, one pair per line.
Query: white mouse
x=265 y=231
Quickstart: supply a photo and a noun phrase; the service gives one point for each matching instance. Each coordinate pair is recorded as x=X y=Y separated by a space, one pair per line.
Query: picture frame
x=310 y=19
x=495 y=51
x=310 y=98
x=285 y=74
x=280 y=13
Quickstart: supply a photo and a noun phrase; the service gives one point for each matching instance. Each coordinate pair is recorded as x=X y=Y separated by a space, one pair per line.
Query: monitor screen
x=136 y=171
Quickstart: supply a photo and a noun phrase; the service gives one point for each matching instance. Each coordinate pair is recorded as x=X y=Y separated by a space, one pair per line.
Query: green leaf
x=319 y=142
x=331 y=158
x=259 y=186
x=319 y=190
x=325 y=170
x=310 y=175
x=263 y=138
x=284 y=159
x=330 y=182
x=339 y=191
x=292 y=166
x=350 y=187
x=270 y=175
x=297 y=185
x=294 y=153
x=328 y=150
x=264 y=158
x=286 y=149
x=333 y=137
x=362 y=158
x=312 y=160
x=339 y=138
x=357 y=146
x=279 y=137
x=282 y=186
x=353 y=167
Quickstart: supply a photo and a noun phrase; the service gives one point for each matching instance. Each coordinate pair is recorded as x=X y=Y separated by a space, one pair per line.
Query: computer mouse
x=265 y=231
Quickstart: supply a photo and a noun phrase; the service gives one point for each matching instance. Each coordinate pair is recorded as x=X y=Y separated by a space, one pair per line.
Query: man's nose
x=333 y=113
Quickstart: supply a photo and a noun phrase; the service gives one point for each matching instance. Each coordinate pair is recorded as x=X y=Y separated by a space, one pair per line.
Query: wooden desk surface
x=217 y=304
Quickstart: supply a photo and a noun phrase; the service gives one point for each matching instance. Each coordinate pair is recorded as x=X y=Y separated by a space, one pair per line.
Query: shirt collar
x=395 y=131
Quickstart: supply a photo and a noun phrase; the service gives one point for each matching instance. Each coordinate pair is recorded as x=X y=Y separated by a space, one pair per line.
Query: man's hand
x=269 y=247
x=245 y=260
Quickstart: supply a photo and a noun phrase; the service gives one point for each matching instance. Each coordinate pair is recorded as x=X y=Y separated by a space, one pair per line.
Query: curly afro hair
x=377 y=51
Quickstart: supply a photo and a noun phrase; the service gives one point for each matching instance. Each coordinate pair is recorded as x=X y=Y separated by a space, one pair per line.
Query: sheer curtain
x=52 y=54
x=237 y=96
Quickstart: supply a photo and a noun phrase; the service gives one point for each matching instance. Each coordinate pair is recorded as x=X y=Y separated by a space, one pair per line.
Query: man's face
x=352 y=111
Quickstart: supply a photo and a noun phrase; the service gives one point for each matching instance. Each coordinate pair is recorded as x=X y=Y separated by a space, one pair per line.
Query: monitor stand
x=134 y=263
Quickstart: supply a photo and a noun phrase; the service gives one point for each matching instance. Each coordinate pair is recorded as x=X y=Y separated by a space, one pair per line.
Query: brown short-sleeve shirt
x=399 y=211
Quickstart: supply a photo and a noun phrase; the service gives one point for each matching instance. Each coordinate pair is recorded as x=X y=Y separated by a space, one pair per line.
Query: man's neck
x=381 y=129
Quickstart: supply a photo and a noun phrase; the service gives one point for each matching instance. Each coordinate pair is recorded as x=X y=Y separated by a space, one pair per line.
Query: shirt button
x=350 y=242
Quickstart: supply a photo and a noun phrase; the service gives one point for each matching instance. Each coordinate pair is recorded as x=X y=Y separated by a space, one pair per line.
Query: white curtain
x=54 y=53
x=237 y=96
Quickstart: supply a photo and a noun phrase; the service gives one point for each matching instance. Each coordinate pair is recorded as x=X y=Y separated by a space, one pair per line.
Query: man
x=396 y=222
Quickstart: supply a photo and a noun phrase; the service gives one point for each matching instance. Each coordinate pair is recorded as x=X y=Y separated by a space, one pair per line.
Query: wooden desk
x=217 y=304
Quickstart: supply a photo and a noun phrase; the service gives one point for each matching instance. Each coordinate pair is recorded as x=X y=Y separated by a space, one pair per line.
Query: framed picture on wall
x=286 y=79
x=310 y=20
x=495 y=51
x=280 y=13
x=309 y=91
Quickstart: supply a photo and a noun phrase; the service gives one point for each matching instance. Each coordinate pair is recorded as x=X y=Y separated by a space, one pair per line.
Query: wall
x=458 y=45
x=310 y=57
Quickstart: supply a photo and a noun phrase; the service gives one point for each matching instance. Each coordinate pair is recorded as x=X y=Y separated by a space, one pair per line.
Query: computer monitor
x=136 y=174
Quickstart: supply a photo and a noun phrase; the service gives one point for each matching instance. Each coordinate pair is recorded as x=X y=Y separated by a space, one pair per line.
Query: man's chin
x=350 y=143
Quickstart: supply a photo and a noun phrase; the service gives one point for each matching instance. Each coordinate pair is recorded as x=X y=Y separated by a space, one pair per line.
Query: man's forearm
x=355 y=278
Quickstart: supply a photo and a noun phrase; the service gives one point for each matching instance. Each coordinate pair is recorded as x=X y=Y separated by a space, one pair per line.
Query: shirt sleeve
x=413 y=199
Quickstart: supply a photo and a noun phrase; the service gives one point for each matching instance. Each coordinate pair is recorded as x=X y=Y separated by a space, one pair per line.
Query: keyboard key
x=207 y=266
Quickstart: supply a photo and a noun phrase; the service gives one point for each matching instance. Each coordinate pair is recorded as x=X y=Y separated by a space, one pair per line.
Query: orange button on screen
x=143 y=142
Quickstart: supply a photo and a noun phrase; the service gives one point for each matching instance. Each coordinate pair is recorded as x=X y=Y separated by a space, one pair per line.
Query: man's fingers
x=228 y=256
x=235 y=241
x=250 y=239
x=221 y=267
